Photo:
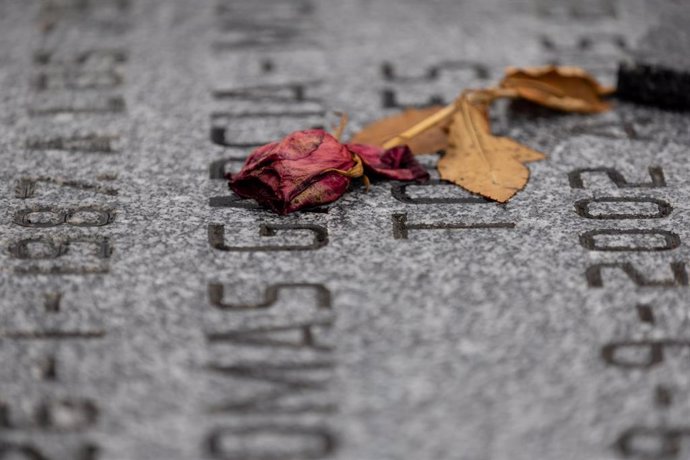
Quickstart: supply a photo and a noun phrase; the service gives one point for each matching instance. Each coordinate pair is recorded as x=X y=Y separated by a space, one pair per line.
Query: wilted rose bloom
x=396 y=163
x=311 y=168
x=298 y=171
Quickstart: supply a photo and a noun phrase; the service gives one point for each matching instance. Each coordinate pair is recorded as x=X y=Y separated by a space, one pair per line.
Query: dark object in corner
x=658 y=71
x=656 y=85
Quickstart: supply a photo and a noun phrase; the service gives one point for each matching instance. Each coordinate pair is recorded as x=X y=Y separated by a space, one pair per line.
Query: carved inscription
x=216 y=295
x=656 y=175
x=594 y=240
x=283 y=371
x=468 y=72
x=636 y=441
x=314 y=442
x=60 y=234
x=216 y=238
x=296 y=384
x=26 y=187
x=587 y=208
x=400 y=193
x=401 y=227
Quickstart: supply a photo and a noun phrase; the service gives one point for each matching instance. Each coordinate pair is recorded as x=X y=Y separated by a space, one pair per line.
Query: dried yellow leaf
x=478 y=161
x=383 y=130
x=570 y=89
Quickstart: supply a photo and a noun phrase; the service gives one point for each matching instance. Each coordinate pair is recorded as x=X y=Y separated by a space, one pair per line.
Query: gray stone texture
x=128 y=334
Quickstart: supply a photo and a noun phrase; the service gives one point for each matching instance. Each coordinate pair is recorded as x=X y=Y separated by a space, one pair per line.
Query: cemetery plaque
x=149 y=313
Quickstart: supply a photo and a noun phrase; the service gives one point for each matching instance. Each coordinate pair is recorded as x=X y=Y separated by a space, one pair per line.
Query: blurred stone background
x=147 y=313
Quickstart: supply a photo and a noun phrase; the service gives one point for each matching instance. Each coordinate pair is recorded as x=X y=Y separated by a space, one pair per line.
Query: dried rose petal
x=311 y=168
x=395 y=163
x=306 y=168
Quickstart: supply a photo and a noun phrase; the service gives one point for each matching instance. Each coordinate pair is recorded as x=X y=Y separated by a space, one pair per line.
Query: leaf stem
x=338 y=133
x=424 y=125
x=443 y=115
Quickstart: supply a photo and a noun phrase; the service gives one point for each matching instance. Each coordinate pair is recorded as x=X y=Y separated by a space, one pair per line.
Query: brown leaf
x=478 y=161
x=570 y=89
x=384 y=129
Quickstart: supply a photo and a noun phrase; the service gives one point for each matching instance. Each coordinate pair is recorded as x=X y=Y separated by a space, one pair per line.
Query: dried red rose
x=311 y=168
x=397 y=163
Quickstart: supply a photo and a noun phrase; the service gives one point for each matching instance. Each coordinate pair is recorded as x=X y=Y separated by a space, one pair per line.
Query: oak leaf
x=385 y=129
x=570 y=89
x=479 y=161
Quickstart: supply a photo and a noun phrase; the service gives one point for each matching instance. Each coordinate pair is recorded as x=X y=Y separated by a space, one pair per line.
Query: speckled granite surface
x=133 y=327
